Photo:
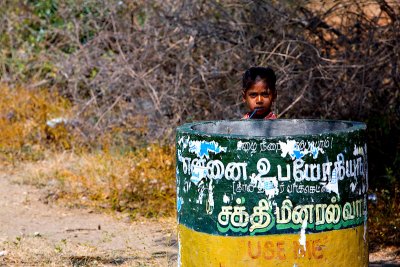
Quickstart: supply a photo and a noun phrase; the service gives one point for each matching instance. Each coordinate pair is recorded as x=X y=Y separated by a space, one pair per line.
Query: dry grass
x=383 y=219
x=139 y=179
x=140 y=182
x=38 y=251
x=23 y=123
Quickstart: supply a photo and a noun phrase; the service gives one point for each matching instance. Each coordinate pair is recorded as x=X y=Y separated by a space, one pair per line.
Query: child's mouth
x=257 y=111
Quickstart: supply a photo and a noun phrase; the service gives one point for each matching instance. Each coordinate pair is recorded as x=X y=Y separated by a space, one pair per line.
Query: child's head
x=259 y=90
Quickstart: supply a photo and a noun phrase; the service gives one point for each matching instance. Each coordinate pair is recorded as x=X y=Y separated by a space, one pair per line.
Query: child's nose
x=259 y=98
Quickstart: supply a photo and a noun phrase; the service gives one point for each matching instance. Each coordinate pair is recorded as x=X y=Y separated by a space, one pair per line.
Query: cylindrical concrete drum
x=272 y=193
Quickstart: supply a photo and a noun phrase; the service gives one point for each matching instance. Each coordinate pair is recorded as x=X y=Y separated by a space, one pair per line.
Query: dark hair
x=255 y=74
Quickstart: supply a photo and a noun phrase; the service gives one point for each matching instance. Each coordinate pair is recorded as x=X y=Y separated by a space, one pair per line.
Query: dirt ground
x=37 y=232
x=33 y=233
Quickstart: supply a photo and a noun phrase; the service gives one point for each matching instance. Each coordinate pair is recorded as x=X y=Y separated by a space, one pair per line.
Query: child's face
x=259 y=97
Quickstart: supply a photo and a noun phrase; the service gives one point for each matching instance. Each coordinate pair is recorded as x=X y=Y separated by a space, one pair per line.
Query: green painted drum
x=272 y=193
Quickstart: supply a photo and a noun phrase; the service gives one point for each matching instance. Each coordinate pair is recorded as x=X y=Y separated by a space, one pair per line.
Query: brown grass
x=38 y=251
x=383 y=219
x=140 y=182
x=23 y=123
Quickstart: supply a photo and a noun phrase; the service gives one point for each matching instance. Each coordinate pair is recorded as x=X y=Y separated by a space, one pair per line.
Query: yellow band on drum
x=330 y=248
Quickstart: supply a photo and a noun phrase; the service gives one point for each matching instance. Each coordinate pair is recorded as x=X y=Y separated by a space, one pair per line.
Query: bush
x=140 y=69
x=139 y=182
x=25 y=123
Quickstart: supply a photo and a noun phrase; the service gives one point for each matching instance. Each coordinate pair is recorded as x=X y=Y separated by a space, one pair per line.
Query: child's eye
x=265 y=94
x=253 y=95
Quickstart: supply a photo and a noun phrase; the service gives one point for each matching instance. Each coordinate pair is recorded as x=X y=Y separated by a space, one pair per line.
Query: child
x=259 y=92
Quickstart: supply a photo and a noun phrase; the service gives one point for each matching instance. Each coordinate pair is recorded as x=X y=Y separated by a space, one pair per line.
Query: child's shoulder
x=246 y=116
x=271 y=116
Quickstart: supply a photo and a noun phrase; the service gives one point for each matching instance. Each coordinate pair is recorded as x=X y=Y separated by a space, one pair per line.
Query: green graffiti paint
x=249 y=177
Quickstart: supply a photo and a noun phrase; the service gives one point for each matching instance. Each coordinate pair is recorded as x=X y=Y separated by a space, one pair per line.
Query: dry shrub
x=383 y=217
x=137 y=179
x=150 y=190
x=141 y=182
x=162 y=63
x=24 y=123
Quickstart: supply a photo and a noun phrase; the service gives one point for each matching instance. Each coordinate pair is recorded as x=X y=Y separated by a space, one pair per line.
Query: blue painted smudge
x=203 y=148
x=179 y=204
x=297 y=154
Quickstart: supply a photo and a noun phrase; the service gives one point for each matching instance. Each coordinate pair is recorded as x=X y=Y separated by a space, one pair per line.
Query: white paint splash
x=271 y=187
x=187 y=186
x=180 y=158
x=184 y=141
x=333 y=184
x=210 y=200
x=179 y=250
x=267 y=184
x=292 y=149
x=288 y=148
x=358 y=150
x=353 y=185
x=198 y=173
x=226 y=199
x=303 y=239
x=200 y=189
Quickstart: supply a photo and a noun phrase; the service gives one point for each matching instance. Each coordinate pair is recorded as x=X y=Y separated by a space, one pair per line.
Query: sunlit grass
x=39 y=251
x=139 y=180
x=141 y=183
x=24 y=114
